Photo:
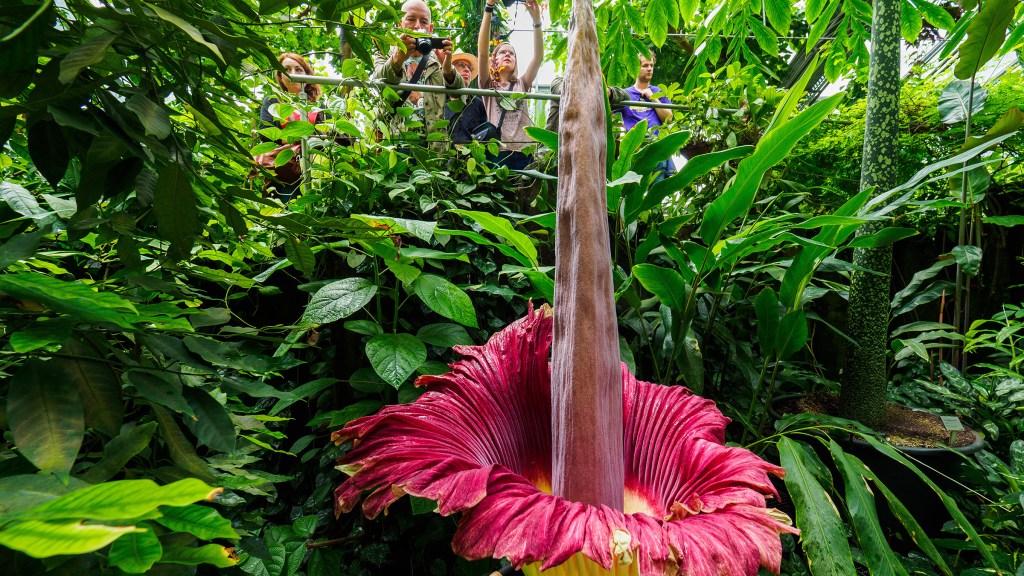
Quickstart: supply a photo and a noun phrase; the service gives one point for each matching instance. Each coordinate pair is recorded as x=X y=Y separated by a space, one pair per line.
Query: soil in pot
x=921 y=437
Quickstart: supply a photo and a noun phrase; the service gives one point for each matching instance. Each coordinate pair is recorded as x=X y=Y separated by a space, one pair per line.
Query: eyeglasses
x=504 y=52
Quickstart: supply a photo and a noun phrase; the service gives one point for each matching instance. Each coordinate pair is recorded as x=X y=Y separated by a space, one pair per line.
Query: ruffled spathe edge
x=478 y=442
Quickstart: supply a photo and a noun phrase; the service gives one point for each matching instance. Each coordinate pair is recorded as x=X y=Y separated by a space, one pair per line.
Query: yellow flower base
x=580 y=565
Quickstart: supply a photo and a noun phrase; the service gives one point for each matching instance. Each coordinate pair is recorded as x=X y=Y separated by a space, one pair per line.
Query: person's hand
x=647 y=94
x=404 y=50
x=445 y=56
x=534 y=9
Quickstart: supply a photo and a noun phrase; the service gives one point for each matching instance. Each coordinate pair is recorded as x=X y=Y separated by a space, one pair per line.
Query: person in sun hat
x=467 y=112
x=466 y=65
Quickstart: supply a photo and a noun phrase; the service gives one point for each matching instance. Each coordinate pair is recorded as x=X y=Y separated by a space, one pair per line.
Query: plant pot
x=940 y=464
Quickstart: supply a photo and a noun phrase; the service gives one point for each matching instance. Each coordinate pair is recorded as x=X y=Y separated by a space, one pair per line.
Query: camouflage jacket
x=432 y=103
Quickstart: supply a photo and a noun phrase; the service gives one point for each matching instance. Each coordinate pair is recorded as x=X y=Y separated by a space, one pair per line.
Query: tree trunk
x=866 y=376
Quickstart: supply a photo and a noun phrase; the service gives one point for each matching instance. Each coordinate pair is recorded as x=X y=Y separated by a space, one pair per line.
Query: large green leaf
x=985 y=35
x=658 y=17
x=300 y=255
x=648 y=158
x=444 y=335
x=792 y=333
x=212 y=423
x=202 y=522
x=119 y=451
x=23 y=202
x=503 y=229
x=186 y=27
x=215 y=554
x=98 y=387
x=665 y=283
x=49 y=150
x=22 y=491
x=395 y=356
x=121 y=499
x=182 y=452
x=935 y=15
x=544 y=137
x=135 y=553
x=155 y=118
x=45 y=416
x=911 y=23
x=338 y=300
x=174 y=203
x=956 y=101
x=822 y=534
x=914 y=530
x=772 y=148
x=446 y=299
x=43 y=332
x=692 y=170
x=160 y=388
x=878 y=556
x=1008 y=123
x=779 y=15
x=44 y=539
x=766 y=307
x=951 y=506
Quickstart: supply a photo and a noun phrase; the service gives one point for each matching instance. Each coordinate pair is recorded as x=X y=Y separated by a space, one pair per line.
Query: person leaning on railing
x=509 y=115
x=438 y=71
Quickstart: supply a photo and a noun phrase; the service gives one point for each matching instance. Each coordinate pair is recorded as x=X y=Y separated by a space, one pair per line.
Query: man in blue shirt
x=643 y=90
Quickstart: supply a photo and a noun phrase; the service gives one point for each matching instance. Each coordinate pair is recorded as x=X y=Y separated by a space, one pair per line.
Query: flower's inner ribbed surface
x=580 y=565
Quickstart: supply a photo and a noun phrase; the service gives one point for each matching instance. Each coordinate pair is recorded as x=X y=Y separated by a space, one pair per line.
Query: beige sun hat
x=460 y=55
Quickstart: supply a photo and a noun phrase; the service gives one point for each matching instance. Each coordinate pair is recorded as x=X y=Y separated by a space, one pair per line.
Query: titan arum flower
x=573 y=466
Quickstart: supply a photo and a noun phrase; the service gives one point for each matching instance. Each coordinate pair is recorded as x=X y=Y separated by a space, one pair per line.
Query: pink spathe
x=478 y=442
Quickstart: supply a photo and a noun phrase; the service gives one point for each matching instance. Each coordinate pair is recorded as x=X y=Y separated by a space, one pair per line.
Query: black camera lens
x=425 y=45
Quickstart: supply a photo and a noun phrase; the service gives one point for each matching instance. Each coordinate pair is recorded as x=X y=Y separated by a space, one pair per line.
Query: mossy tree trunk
x=866 y=376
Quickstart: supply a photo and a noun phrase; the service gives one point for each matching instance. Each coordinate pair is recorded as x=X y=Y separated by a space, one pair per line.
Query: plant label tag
x=951 y=423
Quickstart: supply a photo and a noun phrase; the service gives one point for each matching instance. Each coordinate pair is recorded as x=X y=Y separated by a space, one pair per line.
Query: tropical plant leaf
x=155 y=118
x=546 y=138
x=792 y=333
x=878 y=556
x=444 y=335
x=44 y=539
x=121 y=499
x=119 y=452
x=338 y=300
x=136 y=552
x=174 y=203
x=98 y=387
x=503 y=229
x=45 y=416
x=1008 y=123
x=957 y=102
x=201 y=521
x=219 y=556
x=779 y=15
x=300 y=255
x=49 y=150
x=665 y=283
x=211 y=423
x=395 y=356
x=692 y=170
x=823 y=536
x=187 y=28
x=773 y=147
x=985 y=35
x=155 y=387
x=766 y=306
x=446 y=299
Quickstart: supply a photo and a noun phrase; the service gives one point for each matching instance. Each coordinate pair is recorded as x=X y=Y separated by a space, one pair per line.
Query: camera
x=425 y=45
